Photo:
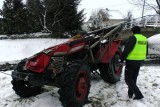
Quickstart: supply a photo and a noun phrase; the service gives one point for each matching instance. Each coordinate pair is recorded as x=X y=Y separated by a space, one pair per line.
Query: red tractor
x=68 y=66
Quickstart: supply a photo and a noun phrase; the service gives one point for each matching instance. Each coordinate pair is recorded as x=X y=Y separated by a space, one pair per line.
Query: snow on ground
x=22 y=48
x=154 y=44
x=3 y=36
x=101 y=94
x=31 y=35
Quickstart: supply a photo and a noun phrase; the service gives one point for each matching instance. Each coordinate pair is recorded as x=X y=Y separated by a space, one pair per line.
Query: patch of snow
x=37 y=34
x=24 y=36
x=18 y=49
x=154 y=39
x=101 y=94
x=1 y=36
x=154 y=44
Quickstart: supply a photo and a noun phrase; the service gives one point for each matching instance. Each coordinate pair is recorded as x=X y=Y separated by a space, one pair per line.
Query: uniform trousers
x=131 y=73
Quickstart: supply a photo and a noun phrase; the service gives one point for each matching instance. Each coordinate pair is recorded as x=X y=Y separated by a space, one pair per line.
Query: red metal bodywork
x=39 y=62
x=106 y=53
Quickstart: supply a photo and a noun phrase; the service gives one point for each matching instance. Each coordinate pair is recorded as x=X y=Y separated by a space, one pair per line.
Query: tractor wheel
x=23 y=88
x=20 y=65
x=111 y=72
x=75 y=89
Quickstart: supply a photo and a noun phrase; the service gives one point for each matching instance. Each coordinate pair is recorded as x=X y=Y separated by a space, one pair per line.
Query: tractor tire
x=20 y=65
x=111 y=72
x=75 y=88
x=23 y=88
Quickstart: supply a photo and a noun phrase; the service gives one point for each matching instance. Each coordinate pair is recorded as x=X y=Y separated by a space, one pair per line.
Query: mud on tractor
x=69 y=65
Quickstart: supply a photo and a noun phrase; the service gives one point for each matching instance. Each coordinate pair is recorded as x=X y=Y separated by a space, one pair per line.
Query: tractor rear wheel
x=75 y=89
x=111 y=72
x=23 y=88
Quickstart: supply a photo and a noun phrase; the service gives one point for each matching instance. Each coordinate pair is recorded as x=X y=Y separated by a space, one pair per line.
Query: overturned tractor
x=69 y=65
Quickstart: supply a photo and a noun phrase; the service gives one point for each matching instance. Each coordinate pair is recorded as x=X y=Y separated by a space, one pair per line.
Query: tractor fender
x=38 y=63
x=106 y=53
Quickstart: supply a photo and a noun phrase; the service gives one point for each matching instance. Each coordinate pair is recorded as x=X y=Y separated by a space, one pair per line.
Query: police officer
x=134 y=54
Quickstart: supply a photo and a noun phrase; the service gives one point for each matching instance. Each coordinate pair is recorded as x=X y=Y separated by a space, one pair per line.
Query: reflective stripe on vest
x=140 y=48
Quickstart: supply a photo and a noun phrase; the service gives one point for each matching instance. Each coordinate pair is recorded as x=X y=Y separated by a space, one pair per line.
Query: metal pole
x=143 y=8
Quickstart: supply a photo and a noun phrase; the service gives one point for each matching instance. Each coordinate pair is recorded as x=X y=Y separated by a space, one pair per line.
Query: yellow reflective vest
x=140 y=49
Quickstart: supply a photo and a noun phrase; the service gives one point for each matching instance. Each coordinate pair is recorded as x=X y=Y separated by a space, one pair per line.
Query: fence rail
x=146 y=21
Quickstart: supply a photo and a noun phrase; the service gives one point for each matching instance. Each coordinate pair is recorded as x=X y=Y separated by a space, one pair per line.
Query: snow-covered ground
x=18 y=49
x=22 y=36
x=101 y=94
x=154 y=44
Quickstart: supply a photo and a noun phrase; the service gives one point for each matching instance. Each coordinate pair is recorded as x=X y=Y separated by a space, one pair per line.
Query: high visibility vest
x=140 y=49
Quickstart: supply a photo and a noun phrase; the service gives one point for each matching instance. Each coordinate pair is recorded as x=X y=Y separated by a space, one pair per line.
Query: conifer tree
x=41 y=15
x=14 y=16
x=56 y=15
x=34 y=9
x=20 y=18
x=7 y=13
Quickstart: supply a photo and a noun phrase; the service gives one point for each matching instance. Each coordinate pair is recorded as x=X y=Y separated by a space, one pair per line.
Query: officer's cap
x=136 y=29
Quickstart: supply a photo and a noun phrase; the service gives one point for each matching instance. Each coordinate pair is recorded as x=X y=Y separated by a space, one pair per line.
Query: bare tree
x=46 y=9
x=98 y=18
x=146 y=4
x=158 y=2
x=103 y=14
x=128 y=16
x=52 y=15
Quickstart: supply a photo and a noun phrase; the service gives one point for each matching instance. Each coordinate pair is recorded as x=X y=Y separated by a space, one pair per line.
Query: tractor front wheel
x=75 y=89
x=23 y=88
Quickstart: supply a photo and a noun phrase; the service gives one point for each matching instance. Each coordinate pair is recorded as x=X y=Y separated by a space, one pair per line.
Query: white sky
x=118 y=8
